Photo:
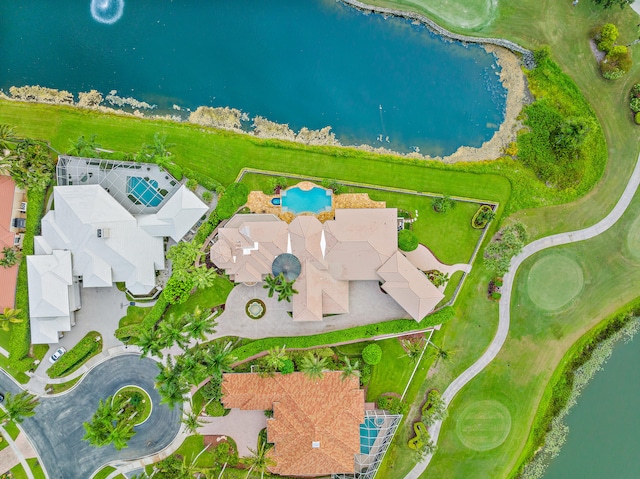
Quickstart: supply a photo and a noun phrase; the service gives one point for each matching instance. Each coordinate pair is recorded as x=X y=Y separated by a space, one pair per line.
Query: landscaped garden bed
x=134 y=399
x=86 y=348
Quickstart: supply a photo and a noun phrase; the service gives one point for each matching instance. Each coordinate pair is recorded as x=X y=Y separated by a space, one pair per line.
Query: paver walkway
x=17 y=453
x=507 y=288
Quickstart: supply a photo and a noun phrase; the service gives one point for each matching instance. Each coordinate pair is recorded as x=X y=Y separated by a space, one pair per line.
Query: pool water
x=145 y=191
x=296 y=201
x=368 y=435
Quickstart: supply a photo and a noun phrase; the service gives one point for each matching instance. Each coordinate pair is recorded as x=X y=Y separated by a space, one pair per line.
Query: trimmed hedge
x=351 y=334
x=233 y=198
x=154 y=315
x=372 y=354
x=407 y=240
x=86 y=348
x=173 y=169
x=20 y=339
x=203 y=180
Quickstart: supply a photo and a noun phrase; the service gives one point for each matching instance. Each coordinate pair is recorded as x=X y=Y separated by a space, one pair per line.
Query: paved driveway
x=56 y=429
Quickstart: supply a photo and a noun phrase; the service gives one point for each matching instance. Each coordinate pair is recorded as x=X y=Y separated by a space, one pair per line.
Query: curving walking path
x=505 y=302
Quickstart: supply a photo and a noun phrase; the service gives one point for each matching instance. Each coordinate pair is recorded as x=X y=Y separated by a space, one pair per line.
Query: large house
x=315 y=426
x=91 y=240
x=357 y=245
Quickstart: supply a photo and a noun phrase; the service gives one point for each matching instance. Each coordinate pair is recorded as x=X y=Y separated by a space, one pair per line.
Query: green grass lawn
x=204 y=298
x=104 y=472
x=135 y=315
x=18 y=472
x=36 y=469
x=60 y=387
x=392 y=373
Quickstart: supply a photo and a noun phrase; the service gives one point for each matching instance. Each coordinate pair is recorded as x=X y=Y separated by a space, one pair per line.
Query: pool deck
x=258 y=202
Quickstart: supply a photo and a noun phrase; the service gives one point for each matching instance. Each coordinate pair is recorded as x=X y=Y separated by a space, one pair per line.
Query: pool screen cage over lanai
x=141 y=188
x=367 y=464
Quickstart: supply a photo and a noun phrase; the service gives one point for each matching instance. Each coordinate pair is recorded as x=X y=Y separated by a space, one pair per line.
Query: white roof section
x=176 y=217
x=50 y=281
x=104 y=238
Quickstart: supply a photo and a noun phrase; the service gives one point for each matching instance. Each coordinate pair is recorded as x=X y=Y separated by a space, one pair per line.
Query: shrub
x=86 y=348
x=177 y=292
x=277 y=183
x=204 y=180
x=207 y=228
x=173 y=169
x=192 y=184
x=233 y=198
x=499 y=252
x=609 y=32
x=442 y=204
x=482 y=217
x=207 y=196
x=637 y=118
x=365 y=374
x=407 y=240
x=287 y=367
x=372 y=354
x=216 y=409
x=393 y=404
x=333 y=185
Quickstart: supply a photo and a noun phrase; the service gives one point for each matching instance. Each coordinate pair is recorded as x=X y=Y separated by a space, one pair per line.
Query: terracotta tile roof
x=315 y=425
x=8 y=276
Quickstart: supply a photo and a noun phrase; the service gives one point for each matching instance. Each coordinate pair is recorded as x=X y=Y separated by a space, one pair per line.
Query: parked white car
x=57 y=355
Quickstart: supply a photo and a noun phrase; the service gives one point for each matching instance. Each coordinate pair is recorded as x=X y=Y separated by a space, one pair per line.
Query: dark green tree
x=611 y=3
x=313 y=365
x=19 y=406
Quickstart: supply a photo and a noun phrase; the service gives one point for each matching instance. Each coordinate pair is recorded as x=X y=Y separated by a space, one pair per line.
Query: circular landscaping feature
x=255 y=308
x=483 y=425
x=633 y=240
x=134 y=398
x=554 y=280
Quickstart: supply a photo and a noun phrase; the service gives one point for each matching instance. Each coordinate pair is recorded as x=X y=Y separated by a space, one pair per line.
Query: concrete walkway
x=505 y=302
x=242 y=426
x=17 y=453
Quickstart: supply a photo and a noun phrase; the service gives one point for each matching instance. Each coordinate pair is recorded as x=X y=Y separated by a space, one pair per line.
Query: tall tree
x=8 y=138
x=413 y=349
x=19 y=406
x=313 y=365
x=203 y=277
x=274 y=359
x=10 y=315
x=149 y=343
x=259 y=460
x=86 y=148
x=350 y=369
x=33 y=167
x=10 y=257
x=171 y=332
x=220 y=358
x=271 y=283
x=171 y=386
x=198 y=325
x=192 y=421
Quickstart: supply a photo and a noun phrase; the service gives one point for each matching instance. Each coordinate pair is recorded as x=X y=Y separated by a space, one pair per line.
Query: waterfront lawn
x=204 y=298
x=537 y=341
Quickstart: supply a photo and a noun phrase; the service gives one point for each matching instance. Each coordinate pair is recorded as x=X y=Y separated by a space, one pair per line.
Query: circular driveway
x=56 y=429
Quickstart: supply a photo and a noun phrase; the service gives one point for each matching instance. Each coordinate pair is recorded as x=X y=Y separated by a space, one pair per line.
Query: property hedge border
x=359 y=332
x=20 y=339
x=86 y=348
x=202 y=179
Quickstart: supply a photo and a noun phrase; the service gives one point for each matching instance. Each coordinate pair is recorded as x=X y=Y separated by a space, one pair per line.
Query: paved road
x=505 y=302
x=56 y=429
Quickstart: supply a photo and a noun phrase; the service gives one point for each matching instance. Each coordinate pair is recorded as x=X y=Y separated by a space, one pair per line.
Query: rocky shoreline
x=506 y=53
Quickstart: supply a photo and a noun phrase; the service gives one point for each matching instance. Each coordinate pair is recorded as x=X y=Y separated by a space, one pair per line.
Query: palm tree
x=441 y=353
x=271 y=283
x=312 y=365
x=198 y=326
x=413 y=349
x=8 y=137
x=10 y=257
x=96 y=433
x=170 y=384
x=192 y=421
x=275 y=358
x=171 y=333
x=285 y=289
x=350 y=369
x=84 y=148
x=148 y=342
x=121 y=434
x=191 y=369
x=203 y=277
x=220 y=358
x=259 y=460
x=19 y=406
x=9 y=315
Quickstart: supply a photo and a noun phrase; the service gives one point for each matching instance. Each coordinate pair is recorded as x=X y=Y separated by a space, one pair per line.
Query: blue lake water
x=308 y=63
x=604 y=425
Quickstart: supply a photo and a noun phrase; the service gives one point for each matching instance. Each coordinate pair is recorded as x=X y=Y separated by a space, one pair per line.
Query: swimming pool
x=368 y=435
x=145 y=191
x=316 y=200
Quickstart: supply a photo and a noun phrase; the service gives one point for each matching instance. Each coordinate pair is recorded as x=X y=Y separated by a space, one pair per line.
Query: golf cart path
x=505 y=302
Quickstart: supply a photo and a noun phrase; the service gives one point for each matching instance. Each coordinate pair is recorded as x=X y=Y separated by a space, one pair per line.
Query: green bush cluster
x=422 y=436
x=392 y=404
x=86 y=348
x=172 y=168
x=634 y=102
x=20 y=339
x=372 y=354
x=207 y=228
x=407 y=240
x=204 y=180
x=365 y=374
x=231 y=200
x=177 y=291
x=511 y=240
x=483 y=216
x=564 y=146
x=334 y=337
x=434 y=409
x=618 y=60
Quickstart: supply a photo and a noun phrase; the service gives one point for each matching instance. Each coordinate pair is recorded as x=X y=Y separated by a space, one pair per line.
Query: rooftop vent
x=102 y=232
x=315 y=444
